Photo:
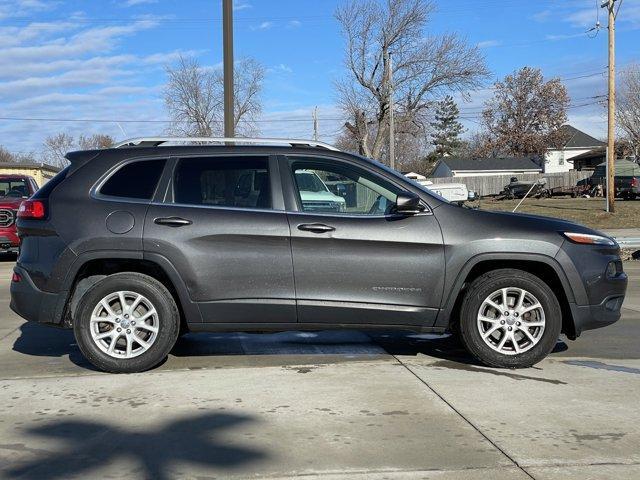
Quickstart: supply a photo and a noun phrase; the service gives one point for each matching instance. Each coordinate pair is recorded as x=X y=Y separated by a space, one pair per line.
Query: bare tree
x=424 y=68
x=247 y=78
x=56 y=147
x=194 y=97
x=95 y=141
x=7 y=156
x=524 y=115
x=628 y=107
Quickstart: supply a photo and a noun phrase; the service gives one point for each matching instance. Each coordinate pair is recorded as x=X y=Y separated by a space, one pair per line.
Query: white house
x=484 y=167
x=576 y=143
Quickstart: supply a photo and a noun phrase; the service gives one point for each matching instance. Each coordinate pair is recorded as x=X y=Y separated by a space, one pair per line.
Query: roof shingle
x=575 y=138
x=507 y=164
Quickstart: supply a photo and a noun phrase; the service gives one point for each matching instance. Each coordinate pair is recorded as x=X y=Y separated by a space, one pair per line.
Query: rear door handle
x=316 y=227
x=172 y=222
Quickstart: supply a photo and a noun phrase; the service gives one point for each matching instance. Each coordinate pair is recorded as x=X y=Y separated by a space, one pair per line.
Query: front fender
x=574 y=291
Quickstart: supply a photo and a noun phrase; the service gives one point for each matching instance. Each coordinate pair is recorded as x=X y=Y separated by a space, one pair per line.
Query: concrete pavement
x=336 y=405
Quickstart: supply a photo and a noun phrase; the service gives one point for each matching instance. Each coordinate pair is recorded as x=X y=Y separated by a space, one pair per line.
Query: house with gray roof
x=484 y=167
x=576 y=143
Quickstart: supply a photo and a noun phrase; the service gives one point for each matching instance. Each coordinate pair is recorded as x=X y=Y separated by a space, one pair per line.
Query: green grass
x=587 y=211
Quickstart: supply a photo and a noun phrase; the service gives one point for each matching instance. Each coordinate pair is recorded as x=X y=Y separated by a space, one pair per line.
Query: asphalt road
x=337 y=405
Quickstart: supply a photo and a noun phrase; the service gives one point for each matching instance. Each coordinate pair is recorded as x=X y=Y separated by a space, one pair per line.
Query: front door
x=218 y=228
x=355 y=261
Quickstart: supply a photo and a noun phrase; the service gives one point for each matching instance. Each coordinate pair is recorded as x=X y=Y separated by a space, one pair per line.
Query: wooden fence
x=493 y=185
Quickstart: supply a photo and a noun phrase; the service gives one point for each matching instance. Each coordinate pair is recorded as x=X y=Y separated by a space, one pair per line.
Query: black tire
x=481 y=288
x=167 y=315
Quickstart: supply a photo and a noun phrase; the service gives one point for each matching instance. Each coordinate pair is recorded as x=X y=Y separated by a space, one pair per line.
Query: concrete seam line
x=12 y=331
x=511 y=459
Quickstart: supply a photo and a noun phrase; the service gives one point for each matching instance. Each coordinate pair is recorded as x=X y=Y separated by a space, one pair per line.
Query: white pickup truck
x=453 y=192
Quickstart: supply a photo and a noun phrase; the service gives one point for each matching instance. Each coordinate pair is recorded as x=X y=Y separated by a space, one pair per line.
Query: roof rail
x=157 y=141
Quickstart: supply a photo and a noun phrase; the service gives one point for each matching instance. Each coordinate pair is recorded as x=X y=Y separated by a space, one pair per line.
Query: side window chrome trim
x=426 y=213
x=216 y=207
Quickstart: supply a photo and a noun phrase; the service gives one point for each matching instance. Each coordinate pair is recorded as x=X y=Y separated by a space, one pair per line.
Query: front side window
x=326 y=187
x=240 y=182
x=135 y=180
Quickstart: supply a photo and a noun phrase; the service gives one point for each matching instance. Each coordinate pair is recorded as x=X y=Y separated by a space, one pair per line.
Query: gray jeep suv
x=133 y=245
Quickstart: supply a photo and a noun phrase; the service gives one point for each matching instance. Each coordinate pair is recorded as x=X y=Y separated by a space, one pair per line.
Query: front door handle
x=316 y=227
x=172 y=222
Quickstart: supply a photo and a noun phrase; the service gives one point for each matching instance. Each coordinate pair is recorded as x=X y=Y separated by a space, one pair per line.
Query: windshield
x=310 y=182
x=14 y=188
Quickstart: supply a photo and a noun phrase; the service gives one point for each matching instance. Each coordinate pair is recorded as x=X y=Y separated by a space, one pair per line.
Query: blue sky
x=103 y=60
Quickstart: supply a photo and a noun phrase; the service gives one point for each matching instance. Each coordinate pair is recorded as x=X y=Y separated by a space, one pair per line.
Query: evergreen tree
x=447 y=128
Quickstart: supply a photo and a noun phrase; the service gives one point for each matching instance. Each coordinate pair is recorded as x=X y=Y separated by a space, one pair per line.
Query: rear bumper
x=33 y=304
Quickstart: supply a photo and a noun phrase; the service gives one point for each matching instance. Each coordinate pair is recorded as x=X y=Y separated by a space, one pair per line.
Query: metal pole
x=227 y=33
x=606 y=177
x=611 y=156
x=392 y=125
x=315 y=124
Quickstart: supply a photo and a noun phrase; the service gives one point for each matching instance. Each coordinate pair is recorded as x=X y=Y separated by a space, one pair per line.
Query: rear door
x=355 y=261
x=222 y=226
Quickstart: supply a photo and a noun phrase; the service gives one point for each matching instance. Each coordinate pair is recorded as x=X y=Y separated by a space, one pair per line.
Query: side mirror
x=408 y=204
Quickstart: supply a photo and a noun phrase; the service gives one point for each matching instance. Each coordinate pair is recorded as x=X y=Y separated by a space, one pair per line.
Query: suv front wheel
x=510 y=319
x=126 y=322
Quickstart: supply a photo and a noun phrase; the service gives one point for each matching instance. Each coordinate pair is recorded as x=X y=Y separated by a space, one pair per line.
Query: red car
x=14 y=189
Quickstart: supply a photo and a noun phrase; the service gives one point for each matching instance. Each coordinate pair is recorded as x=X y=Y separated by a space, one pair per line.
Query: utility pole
x=392 y=125
x=315 y=124
x=611 y=147
x=227 y=33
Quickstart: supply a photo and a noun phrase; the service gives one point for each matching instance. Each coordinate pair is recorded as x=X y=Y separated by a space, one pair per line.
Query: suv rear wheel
x=126 y=322
x=510 y=319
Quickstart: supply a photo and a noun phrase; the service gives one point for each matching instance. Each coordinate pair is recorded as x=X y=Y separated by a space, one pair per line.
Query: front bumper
x=598 y=294
x=588 y=317
x=33 y=304
x=9 y=243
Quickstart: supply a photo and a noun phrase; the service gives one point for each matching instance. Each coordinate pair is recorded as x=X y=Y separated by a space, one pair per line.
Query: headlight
x=589 y=239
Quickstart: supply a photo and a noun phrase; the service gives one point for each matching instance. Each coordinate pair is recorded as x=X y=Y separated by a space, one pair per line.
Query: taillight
x=16 y=277
x=634 y=182
x=32 y=209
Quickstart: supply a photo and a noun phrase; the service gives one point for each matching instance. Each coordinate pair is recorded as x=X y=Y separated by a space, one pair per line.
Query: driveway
x=337 y=405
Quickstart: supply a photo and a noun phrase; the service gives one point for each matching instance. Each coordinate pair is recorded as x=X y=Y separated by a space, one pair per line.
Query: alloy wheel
x=511 y=321
x=124 y=324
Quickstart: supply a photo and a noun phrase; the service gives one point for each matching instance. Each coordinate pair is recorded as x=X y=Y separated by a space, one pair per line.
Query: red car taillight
x=32 y=209
x=634 y=182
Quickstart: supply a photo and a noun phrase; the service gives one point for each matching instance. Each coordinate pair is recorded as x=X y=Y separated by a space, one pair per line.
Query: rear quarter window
x=137 y=180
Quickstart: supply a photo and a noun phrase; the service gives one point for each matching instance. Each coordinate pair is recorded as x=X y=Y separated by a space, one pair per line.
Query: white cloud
x=564 y=36
x=294 y=24
x=241 y=5
x=489 y=43
x=263 y=26
x=22 y=8
x=76 y=70
x=628 y=15
x=281 y=68
x=543 y=16
x=99 y=39
x=132 y=3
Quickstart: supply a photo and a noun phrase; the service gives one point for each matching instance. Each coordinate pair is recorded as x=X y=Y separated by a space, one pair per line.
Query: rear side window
x=240 y=182
x=135 y=180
